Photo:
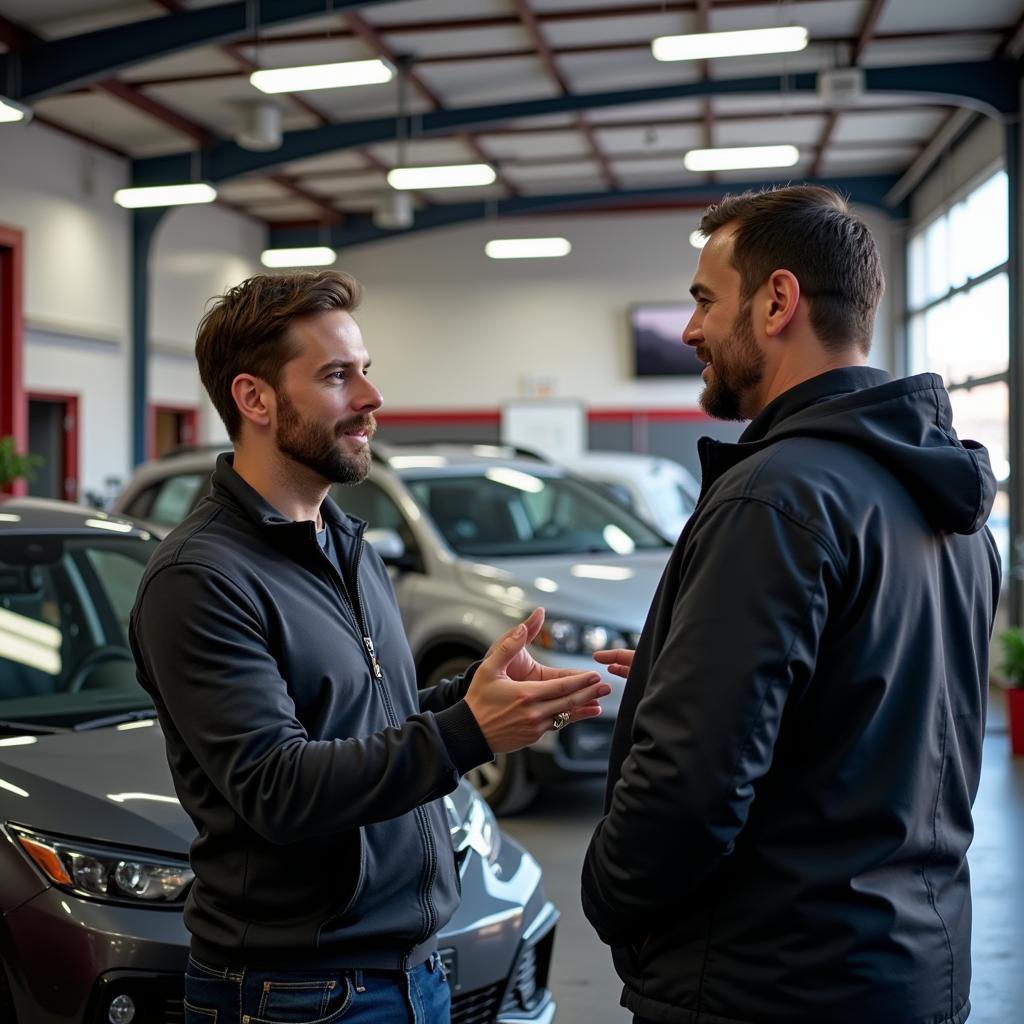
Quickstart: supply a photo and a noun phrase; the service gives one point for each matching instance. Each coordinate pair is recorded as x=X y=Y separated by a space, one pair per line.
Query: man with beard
x=798 y=746
x=269 y=638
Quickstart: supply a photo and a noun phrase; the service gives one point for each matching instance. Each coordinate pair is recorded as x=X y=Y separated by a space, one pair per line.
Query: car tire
x=506 y=783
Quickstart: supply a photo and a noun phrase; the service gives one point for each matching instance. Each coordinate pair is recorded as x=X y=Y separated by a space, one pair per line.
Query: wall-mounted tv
x=656 y=330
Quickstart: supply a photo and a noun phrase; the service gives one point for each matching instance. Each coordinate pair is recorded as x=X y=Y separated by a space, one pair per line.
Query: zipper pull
x=368 y=640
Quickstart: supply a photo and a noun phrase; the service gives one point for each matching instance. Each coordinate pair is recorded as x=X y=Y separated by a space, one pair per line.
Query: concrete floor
x=557 y=830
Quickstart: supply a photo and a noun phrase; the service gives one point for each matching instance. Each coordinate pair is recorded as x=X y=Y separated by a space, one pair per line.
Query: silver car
x=93 y=842
x=476 y=536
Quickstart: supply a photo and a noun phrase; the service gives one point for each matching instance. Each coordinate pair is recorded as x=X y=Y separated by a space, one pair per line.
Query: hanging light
x=311 y=256
x=12 y=112
x=165 y=195
x=450 y=176
x=527 y=248
x=745 y=43
x=322 y=76
x=741 y=158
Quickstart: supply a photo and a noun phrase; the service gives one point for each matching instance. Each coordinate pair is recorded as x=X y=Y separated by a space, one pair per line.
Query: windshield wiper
x=125 y=716
x=19 y=728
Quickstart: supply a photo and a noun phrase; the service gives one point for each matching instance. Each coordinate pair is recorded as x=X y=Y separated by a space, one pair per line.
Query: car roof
x=45 y=515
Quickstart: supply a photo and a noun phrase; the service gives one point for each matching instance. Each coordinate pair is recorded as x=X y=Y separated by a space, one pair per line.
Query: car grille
x=523 y=987
x=478 y=1006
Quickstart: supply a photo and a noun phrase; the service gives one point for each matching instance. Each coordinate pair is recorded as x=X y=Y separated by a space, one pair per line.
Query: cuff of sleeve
x=463 y=738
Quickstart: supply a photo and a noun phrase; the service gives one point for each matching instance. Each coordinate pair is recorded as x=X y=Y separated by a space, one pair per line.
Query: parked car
x=657 y=489
x=93 y=842
x=476 y=536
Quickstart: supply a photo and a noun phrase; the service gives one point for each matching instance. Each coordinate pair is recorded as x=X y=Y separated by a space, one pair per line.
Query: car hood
x=613 y=590
x=109 y=785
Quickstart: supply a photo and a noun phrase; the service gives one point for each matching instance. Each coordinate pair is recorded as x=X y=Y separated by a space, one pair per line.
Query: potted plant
x=14 y=466
x=1013 y=671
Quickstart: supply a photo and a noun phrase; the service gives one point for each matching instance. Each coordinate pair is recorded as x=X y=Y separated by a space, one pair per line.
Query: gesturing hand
x=514 y=698
x=618 y=660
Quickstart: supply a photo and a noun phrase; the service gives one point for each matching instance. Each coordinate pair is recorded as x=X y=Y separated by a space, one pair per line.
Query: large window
x=959 y=322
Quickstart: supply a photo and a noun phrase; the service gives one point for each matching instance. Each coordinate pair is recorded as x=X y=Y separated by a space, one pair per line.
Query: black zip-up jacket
x=298 y=742
x=799 y=742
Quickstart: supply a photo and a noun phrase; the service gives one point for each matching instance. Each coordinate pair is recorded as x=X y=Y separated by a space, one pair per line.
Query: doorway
x=172 y=426
x=53 y=437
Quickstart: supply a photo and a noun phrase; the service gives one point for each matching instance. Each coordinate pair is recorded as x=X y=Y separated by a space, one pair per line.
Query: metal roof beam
x=990 y=87
x=867 y=190
x=60 y=64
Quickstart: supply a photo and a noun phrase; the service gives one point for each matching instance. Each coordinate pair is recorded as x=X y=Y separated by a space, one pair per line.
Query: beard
x=737 y=369
x=315 y=445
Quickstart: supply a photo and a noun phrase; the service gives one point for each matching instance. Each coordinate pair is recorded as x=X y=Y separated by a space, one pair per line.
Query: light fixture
x=451 y=176
x=311 y=256
x=741 y=158
x=746 y=43
x=527 y=248
x=698 y=239
x=259 y=126
x=164 y=195
x=322 y=76
x=11 y=111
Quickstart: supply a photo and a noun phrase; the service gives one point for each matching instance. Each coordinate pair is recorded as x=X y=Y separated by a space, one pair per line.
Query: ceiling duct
x=260 y=125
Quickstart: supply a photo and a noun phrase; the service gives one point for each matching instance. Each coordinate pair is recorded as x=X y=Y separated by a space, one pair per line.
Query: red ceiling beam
x=373 y=39
x=547 y=57
x=864 y=38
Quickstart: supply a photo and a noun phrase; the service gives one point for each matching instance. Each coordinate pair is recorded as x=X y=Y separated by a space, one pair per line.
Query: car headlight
x=569 y=637
x=105 y=872
x=477 y=831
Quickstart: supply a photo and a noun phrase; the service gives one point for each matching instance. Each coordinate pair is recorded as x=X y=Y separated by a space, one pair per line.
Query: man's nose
x=368 y=398
x=693 y=333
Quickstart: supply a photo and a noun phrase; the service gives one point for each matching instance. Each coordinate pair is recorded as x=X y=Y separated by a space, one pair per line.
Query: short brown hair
x=809 y=231
x=246 y=330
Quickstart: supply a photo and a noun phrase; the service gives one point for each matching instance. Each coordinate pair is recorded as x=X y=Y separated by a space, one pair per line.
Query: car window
x=64 y=607
x=143 y=502
x=507 y=512
x=175 y=499
x=371 y=502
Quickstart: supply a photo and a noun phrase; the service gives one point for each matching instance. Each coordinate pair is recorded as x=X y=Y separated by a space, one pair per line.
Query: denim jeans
x=222 y=995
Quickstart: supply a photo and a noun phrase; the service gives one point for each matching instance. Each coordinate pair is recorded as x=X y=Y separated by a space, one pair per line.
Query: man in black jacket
x=798 y=746
x=270 y=640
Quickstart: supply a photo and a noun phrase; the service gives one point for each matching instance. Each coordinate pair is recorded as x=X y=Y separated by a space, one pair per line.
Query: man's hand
x=618 y=661
x=514 y=698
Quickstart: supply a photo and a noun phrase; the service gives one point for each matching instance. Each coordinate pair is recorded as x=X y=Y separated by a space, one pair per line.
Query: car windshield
x=64 y=607
x=510 y=513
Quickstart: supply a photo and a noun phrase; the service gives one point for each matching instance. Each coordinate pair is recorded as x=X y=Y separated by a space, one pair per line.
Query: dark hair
x=809 y=231
x=246 y=330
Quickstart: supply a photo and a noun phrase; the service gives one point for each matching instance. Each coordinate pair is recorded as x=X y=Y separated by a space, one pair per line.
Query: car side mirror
x=387 y=543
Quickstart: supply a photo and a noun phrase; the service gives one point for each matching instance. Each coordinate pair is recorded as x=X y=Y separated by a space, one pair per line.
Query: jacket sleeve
x=202 y=648
x=448 y=691
x=744 y=631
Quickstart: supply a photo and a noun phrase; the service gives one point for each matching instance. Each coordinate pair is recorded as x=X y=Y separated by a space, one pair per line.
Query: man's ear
x=782 y=301
x=254 y=397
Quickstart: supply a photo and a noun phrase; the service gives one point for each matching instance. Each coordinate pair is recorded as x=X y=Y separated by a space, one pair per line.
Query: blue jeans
x=222 y=995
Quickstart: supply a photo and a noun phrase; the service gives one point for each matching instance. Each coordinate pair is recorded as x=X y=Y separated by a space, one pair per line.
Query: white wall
x=447 y=327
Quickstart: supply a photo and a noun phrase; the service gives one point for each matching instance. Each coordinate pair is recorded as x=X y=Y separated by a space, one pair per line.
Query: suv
x=476 y=536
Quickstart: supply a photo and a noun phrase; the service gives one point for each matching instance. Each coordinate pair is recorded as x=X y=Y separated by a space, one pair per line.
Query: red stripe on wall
x=409 y=417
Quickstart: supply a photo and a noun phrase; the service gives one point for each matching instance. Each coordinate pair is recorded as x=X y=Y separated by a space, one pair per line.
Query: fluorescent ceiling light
x=322 y=76
x=452 y=176
x=164 y=195
x=312 y=256
x=707 y=45
x=698 y=239
x=527 y=248
x=741 y=158
x=10 y=111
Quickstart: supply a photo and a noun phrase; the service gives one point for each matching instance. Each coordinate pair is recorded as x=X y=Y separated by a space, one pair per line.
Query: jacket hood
x=906 y=425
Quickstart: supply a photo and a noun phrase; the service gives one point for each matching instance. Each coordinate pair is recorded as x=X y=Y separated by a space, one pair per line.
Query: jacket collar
x=231 y=490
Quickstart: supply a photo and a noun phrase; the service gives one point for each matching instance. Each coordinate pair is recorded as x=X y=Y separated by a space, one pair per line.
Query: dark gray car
x=93 y=842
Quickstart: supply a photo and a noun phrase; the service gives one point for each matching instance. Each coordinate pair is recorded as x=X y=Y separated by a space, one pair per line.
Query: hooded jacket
x=299 y=745
x=799 y=743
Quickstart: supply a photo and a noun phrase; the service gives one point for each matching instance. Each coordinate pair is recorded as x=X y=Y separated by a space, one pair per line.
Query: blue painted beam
x=988 y=86
x=866 y=190
x=67 y=63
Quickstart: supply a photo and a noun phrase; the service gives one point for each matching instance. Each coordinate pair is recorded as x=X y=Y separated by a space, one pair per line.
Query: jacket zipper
x=354 y=604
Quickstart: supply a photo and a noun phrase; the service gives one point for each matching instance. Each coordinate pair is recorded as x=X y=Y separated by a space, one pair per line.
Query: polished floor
x=558 y=828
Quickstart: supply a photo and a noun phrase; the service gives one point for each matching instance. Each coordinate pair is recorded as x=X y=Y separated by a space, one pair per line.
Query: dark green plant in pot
x=1013 y=655
x=14 y=466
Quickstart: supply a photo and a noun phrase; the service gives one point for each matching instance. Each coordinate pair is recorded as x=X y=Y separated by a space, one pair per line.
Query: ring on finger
x=560 y=721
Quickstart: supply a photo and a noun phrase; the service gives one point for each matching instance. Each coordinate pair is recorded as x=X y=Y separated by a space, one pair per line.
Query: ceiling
x=535 y=65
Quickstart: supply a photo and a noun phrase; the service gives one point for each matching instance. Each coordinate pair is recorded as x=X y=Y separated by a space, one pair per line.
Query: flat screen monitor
x=656 y=330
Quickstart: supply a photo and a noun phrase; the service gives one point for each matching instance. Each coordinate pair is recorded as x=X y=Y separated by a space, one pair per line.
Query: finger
x=504 y=649
x=533 y=624
x=610 y=656
x=564 y=685
x=576 y=701
x=619 y=670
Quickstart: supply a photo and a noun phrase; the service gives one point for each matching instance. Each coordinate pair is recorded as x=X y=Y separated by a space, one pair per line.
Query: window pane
x=936 y=247
x=176 y=498
x=988 y=217
x=916 y=289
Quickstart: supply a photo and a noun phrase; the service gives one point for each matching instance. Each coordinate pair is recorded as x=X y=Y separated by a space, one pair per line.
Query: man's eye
x=337 y=374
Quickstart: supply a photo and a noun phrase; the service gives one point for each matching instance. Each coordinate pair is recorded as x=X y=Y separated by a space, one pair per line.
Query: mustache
x=367 y=423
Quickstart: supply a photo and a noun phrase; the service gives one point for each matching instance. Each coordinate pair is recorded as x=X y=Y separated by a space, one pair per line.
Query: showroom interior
x=569 y=126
